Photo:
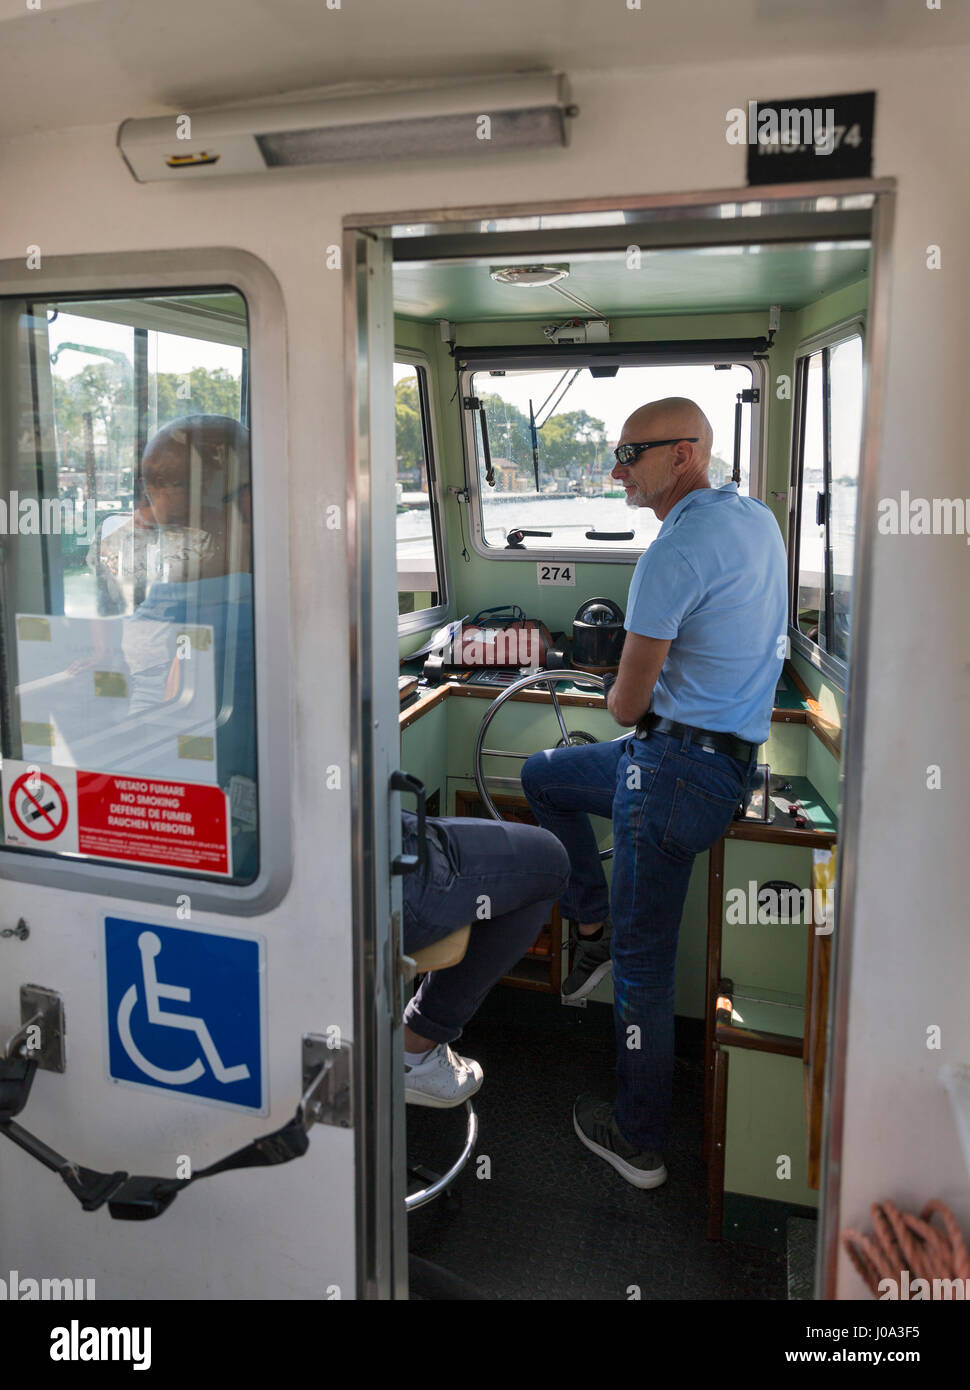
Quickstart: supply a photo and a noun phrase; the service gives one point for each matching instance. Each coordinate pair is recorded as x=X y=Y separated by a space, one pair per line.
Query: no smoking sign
x=39 y=806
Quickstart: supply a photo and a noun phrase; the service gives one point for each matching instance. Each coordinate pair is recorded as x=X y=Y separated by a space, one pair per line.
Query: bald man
x=706 y=622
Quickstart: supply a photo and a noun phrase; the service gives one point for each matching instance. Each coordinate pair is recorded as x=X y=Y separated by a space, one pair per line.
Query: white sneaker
x=442 y=1080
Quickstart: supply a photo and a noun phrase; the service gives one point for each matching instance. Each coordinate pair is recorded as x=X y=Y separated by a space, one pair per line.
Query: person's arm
x=640 y=663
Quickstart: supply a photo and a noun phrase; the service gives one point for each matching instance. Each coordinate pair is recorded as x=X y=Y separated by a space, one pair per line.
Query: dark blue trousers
x=669 y=799
x=500 y=877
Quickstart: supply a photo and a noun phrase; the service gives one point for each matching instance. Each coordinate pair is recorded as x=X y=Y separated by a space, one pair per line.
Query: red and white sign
x=38 y=807
x=140 y=820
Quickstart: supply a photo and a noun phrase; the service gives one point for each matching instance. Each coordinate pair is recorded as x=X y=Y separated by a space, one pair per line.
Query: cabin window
x=419 y=557
x=544 y=452
x=828 y=414
x=127 y=641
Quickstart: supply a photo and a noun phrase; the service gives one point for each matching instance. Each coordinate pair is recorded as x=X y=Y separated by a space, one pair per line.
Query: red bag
x=512 y=641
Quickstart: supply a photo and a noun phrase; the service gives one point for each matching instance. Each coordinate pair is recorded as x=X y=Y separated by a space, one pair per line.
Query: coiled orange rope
x=904 y=1242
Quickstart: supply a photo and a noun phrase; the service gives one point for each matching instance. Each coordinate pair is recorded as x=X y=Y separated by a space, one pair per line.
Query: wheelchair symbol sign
x=185 y=1011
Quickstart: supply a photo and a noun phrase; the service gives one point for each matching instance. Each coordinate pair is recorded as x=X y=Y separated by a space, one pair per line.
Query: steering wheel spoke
x=562 y=722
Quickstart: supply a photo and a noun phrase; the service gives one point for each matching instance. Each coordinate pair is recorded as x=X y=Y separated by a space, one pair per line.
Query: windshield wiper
x=486 y=451
x=535 y=443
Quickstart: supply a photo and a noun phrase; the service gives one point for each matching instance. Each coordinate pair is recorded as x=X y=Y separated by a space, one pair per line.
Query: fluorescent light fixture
x=470 y=121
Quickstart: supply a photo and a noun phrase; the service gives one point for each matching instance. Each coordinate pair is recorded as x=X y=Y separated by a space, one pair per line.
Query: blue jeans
x=669 y=799
x=502 y=878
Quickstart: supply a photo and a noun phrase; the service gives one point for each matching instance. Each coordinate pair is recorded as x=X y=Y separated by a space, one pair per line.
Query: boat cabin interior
x=518 y=355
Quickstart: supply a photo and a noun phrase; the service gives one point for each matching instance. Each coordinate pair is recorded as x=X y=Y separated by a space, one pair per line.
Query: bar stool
x=440 y=955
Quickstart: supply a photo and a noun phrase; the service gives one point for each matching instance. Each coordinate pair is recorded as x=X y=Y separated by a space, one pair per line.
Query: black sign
x=806 y=139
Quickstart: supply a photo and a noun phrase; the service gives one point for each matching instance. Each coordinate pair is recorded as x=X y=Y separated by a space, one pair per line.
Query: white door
x=175 y=842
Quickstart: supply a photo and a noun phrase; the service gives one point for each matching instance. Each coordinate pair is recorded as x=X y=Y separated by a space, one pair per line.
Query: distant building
x=509 y=477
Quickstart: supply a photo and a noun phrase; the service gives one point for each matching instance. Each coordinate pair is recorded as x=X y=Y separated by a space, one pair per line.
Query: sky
x=174 y=354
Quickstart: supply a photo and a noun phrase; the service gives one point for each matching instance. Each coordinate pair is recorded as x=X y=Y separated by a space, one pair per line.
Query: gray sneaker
x=596 y=1127
x=591 y=963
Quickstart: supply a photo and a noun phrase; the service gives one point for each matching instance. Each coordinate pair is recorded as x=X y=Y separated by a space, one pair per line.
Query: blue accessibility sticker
x=185 y=1011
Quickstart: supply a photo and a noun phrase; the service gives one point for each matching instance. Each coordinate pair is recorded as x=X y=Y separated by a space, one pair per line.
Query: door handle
x=407 y=863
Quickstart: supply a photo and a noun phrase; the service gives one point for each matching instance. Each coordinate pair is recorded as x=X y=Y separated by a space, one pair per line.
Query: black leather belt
x=706 y=738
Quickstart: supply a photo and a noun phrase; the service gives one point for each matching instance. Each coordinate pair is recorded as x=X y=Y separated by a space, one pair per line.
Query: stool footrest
x=428 y=1194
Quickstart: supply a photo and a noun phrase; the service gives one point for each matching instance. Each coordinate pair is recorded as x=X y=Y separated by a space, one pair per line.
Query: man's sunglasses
x=626 y=454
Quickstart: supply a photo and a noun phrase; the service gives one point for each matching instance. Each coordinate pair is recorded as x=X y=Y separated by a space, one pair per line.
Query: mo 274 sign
x=806 y=139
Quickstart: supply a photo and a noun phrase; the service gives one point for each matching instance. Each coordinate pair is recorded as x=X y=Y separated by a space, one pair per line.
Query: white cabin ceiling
x=85 y=62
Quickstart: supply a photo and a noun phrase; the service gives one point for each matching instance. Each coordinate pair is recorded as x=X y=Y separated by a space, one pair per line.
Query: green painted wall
x=764 y=957
x=425 y=746
x=765 y=1125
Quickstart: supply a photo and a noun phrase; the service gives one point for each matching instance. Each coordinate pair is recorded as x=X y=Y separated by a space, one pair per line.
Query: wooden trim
x=748 y=1040
x=827 y=733
x=425 y=701
x=825 y=730
x=814 y=1055
x=728 y=1034
x=529 y=697
x=712 y=985
x=774 y=835
x=715 y=1165
x=428 y=698
x=789 y=716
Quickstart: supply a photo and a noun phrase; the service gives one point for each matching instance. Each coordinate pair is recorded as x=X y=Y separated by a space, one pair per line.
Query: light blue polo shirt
x=715 y=582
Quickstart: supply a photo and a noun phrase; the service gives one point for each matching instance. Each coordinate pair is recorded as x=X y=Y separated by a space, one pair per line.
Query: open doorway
x=498 y=352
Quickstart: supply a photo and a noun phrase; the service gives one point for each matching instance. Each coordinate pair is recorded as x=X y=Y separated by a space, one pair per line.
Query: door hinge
x=471 y=402
x=751 y=396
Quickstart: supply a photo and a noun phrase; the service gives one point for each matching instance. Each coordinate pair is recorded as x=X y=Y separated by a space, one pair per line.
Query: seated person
x=501 y=878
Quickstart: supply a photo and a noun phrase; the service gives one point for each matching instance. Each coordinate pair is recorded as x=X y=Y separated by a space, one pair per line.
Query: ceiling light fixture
x=510 y=113
x=529 y=275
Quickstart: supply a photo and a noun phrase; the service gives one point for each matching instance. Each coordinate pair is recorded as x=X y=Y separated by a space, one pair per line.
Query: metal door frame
x=369 y=324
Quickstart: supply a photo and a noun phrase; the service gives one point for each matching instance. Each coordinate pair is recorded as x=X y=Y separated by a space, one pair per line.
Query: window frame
x=134 y=274
x=425 y=619
x=626 y=556
x=832 y=667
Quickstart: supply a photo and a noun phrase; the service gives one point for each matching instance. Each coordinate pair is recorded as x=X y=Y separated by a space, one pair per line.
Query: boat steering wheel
x=547 y=678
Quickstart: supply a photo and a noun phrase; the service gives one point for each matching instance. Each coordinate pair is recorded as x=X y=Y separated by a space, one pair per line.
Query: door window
x=128 y=678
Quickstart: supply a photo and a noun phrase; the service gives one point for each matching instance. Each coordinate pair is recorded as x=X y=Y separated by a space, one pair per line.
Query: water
x=569 y=518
